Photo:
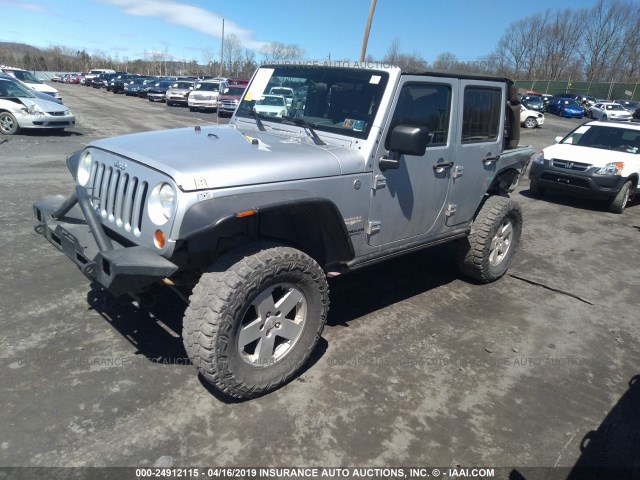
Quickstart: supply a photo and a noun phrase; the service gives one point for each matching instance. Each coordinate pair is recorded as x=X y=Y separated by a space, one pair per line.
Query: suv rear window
x=481 y=114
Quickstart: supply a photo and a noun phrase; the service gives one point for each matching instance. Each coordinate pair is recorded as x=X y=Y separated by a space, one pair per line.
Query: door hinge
x=373 y=227
x=450 y=210
x=457 y=171
x=379 y=181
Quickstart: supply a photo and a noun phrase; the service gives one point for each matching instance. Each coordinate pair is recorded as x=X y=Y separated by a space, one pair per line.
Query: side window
x=481 y=114
x=424 y=105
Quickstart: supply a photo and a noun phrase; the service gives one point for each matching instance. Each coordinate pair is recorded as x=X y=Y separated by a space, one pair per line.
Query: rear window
x=481 y=114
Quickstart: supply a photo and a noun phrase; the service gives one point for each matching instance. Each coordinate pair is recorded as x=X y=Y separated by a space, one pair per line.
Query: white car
x=286 y=92
x=609 y=111
x=531 y=118
x=205 y=95
x=597 y=160
x=30 y=79
x=20 y=108
x=271 y=106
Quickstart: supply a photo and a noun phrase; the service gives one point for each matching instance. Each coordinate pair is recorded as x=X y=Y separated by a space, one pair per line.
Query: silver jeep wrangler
x=250 y=218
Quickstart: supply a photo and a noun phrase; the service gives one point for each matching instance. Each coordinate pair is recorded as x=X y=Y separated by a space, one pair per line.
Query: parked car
x=636 y=114
x=546 y=97
x=146 y=84
x=118 y=83
x=178 y=92
x=205 y=95
x=609 y=111
x=629 y=105
x=230 y=99
x=31 y=80
x=271 y=106
x=286 y=92
x=20 y=108
x=566 y=107
x=132 y=88
x=597 y=159
x=40 y=95
x=530 y=118
x=252 y=217
x=157 y=92
x=533 y=102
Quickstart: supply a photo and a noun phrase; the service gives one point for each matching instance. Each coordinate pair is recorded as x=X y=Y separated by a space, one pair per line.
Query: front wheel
x=8 y=124
x=255 y=317
x=530 y=122
x=620 y=201
x=486 y=253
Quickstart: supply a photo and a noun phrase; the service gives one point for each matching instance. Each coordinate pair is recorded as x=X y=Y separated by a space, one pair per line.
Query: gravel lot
x=417 y=365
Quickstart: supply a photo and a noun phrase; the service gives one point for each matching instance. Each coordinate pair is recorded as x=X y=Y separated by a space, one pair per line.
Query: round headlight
x=162 y=202
x=84 y=169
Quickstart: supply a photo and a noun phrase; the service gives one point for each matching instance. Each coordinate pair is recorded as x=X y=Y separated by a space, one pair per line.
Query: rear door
x=479 y=146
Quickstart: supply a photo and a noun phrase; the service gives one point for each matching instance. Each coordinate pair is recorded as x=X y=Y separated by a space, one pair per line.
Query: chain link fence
x=600 y=90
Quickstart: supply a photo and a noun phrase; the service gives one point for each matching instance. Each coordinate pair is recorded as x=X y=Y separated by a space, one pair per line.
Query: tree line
x=601 y=43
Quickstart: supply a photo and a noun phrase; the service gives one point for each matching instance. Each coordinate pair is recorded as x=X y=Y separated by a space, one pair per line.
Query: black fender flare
x=255 y=212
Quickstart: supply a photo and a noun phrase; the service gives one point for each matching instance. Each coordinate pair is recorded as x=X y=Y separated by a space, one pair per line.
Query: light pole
x=367 y=29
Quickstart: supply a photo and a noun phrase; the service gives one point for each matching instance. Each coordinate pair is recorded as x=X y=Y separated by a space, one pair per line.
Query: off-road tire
x=619 y=202
x=486 y=253
x=221 y=305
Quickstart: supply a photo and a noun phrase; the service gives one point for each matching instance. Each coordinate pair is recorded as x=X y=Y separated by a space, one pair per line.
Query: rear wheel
x=8 y=124
x=487 y=252
x=255 y=317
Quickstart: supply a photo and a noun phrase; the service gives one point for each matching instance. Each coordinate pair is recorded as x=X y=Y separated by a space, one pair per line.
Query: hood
x=49 y=106
x=222 y=156
x=594 y=156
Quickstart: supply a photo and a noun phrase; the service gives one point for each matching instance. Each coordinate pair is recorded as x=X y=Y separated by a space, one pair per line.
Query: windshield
x=235 y=91
x=26 y=77
x=606 y=138
x=12 y=89
x=183 y=85
x=338 y=100
x=209 y=87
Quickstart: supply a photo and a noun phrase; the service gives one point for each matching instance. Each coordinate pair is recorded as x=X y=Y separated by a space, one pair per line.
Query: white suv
x=31 y=81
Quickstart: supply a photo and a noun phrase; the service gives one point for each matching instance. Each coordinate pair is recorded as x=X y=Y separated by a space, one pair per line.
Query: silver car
x=20 y=108
x=178 y=93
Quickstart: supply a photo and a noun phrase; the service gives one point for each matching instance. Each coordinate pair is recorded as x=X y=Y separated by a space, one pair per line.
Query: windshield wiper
x=308 y=126
x=257 y=116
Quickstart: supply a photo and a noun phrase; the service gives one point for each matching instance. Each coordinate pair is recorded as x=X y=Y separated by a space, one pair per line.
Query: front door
x=407 y=203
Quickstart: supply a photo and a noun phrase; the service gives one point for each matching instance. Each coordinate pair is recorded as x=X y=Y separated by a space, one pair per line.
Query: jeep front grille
x=117 y=197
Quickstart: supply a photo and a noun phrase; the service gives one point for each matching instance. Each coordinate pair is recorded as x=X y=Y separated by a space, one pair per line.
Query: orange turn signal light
x=159 y=239
x=246 y=213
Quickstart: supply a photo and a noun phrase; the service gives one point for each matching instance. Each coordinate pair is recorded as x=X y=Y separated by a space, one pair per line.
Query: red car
x=230 y=99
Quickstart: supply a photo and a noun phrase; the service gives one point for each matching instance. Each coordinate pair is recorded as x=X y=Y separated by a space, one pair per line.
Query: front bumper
x=585 y=184
x=116 y=267
x=46 y=121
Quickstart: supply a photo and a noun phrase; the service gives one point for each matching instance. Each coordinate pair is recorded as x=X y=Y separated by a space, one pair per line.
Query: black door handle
x=439 y=166
x=488 y=160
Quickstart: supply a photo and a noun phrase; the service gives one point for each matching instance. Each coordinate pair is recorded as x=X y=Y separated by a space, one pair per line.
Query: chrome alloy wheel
x=501 y=242
x=272 y=325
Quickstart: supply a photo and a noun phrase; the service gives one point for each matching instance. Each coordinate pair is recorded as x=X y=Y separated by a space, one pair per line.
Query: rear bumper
x=118 y=268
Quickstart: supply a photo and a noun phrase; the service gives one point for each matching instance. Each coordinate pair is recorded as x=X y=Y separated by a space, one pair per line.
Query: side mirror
x=405 y=140
x=557 y=139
